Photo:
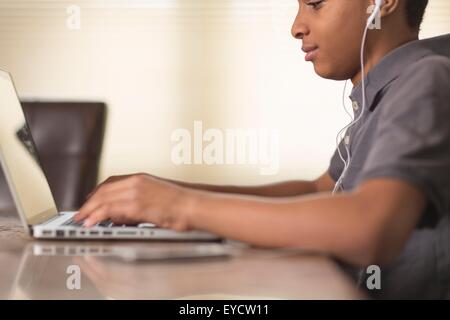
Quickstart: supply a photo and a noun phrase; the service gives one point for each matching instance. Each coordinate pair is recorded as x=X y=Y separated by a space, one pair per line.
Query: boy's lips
x=310 y=51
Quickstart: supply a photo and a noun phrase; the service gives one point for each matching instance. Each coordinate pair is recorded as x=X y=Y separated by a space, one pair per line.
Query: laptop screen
x=20 y=163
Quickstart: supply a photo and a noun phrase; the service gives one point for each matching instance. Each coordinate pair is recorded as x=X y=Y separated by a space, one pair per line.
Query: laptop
x=31 y=192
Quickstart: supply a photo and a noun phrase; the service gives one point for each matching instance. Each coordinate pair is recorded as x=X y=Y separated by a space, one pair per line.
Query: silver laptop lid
x=27 y=182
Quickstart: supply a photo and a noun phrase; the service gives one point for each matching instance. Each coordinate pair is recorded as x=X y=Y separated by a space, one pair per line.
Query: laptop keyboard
x=104 y=224
x=73 y=223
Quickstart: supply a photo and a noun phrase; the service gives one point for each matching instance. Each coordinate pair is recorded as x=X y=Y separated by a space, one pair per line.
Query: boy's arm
x=369 y=225
x=282 y=189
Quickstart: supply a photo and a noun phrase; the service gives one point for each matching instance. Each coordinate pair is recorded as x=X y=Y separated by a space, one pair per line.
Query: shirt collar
x=391 y=66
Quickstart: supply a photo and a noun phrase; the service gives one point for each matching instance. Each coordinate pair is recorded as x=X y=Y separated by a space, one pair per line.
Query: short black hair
x=415 y=10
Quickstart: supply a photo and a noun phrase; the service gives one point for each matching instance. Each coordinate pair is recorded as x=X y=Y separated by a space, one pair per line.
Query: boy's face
x=331 y=31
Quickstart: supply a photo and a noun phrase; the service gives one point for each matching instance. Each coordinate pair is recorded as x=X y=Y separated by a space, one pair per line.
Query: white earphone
x=370 y=20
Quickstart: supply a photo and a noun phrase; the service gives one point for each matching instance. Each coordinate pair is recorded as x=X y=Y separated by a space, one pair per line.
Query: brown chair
x=68 y=138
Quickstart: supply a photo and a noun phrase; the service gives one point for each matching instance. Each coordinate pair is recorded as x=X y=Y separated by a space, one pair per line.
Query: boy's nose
x=299 y=29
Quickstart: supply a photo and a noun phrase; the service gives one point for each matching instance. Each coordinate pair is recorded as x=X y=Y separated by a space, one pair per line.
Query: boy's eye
x=314 y=4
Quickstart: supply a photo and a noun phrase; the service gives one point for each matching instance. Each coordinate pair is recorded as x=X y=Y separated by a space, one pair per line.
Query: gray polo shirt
x=404 y=133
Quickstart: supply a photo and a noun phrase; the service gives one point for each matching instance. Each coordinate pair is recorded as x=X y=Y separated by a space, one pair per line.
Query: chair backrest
x=69 y=139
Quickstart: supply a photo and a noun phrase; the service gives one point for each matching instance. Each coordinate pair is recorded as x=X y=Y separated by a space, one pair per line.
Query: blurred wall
x=162 y=64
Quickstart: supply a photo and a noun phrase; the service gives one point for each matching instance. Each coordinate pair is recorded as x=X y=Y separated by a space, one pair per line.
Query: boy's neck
x=376 y=54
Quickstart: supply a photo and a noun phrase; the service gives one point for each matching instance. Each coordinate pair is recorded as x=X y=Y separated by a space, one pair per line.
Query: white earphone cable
x=347 y=162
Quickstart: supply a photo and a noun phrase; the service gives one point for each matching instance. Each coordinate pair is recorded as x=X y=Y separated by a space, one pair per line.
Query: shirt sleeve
x=412 y=140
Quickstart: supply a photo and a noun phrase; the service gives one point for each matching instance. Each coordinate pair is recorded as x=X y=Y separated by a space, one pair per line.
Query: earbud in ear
x=376 y=10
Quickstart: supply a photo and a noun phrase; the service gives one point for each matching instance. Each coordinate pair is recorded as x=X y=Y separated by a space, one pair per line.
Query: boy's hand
x=112 y=179
x=134 y=199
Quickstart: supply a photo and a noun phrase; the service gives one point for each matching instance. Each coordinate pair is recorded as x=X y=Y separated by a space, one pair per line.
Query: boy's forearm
x=283 y=189
x=316 y=222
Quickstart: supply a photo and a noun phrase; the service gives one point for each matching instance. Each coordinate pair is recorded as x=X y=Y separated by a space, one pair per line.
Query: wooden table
x=249 y=273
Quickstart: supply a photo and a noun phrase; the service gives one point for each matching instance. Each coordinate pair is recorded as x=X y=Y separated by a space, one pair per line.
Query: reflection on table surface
x=164 y=270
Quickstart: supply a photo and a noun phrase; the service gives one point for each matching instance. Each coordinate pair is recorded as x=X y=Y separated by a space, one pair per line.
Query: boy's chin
x=329 y=73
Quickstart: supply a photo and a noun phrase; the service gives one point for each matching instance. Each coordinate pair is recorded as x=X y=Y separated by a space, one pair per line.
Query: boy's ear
x=388 y=7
